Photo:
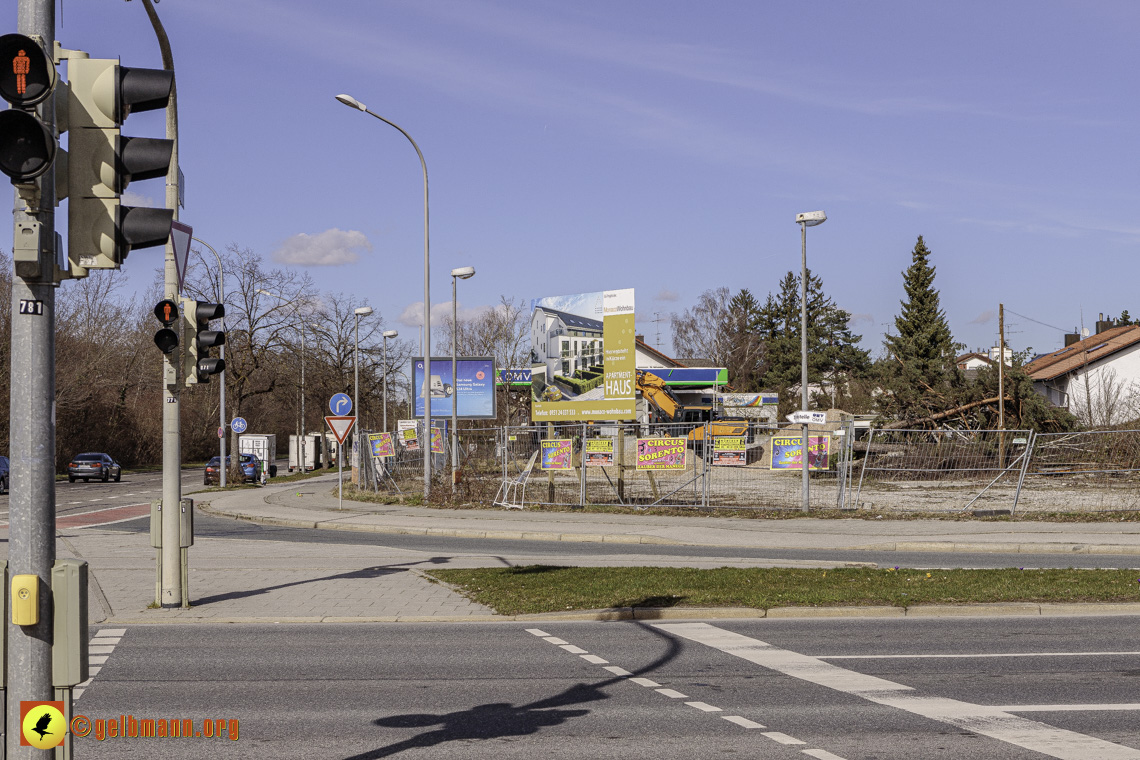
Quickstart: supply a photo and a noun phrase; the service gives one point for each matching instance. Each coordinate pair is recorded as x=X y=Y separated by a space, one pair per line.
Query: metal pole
x=304 y=435
x=385 y=383
x=454 y=390
x=31 y=547
x=356 y=397
x=222 y=375
x=804 y=362
x=172 y=595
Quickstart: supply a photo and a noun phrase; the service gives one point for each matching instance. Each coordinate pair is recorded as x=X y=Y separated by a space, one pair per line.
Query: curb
x=1027 y=609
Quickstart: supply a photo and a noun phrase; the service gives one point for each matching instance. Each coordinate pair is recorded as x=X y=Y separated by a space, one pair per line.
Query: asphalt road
x=1008 y=689
x=553 y=552
x=133 y=488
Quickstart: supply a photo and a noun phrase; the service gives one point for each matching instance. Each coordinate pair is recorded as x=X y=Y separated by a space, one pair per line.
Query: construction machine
x=668 y=408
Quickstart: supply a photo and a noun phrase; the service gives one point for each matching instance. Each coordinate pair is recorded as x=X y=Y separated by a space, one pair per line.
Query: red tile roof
x=1091 y=349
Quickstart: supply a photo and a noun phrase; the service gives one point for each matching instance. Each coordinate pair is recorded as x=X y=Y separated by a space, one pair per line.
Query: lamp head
x=390 y=333
x=348 y=100
x=463 y=273
x=811 y=218
x=362 y=311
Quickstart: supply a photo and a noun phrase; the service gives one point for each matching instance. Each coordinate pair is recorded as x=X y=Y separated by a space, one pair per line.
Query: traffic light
x=27 y=77
x=102 y=162
x=198 y=365
x=167 y=313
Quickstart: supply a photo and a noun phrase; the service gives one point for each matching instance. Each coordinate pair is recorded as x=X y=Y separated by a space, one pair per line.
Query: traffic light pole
x=173 y=592
x=31 y=537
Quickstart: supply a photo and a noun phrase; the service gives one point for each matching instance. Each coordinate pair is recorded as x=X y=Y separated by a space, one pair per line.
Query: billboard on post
x=471 y=389
x=583 y=363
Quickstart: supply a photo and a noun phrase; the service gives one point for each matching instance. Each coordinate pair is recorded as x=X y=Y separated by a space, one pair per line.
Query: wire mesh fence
x=1089 y=471
x=941 y=470
x=753 y=465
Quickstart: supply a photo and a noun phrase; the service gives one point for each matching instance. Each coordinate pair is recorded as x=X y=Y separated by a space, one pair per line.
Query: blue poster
x=472 y=391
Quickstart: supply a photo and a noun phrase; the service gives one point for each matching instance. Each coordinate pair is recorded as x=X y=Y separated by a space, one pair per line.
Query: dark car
x=93 y=465
x=250 y=469
x=4 y=474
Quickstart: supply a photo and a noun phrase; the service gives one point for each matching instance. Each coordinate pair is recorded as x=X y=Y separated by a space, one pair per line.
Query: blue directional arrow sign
x=340 y=404
x=239 y=425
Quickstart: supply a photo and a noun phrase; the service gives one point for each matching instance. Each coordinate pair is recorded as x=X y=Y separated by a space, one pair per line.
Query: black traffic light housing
x=166 y=339
x=198 y=364
x=27 y=78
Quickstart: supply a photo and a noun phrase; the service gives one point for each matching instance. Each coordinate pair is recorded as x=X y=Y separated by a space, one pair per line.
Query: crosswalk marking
x=993 y=722
x=100 y=647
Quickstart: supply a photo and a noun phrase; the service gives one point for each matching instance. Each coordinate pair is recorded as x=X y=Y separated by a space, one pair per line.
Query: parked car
x=250 y=469
x=93 y=465
x=4 y=474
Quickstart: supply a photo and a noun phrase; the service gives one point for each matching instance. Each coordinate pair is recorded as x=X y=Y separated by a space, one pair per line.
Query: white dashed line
x=537 y=631
x=644 y=682
x=742 y=722
x=704 y=707
x=821 y=754
x=573 y=649
x=1069 y=708
x=776 y=736
x=672 y=693
x=618 y=671
x=555 y=640
x=593 y=659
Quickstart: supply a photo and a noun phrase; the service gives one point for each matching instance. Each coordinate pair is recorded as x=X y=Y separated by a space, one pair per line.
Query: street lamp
x=462 y=273
x=362 y=311
x=387 y=334
x=805 y=220
x=348 y=100
x=304 y=462
x=222 y=375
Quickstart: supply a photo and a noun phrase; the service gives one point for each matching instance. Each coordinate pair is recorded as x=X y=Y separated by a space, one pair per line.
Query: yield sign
x=340 y=426
x=180 y=235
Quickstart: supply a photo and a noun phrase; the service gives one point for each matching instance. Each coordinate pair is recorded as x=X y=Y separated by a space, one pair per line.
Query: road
x=1008 y=689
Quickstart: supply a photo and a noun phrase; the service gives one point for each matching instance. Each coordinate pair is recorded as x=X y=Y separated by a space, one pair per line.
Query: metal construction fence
x=758 y=466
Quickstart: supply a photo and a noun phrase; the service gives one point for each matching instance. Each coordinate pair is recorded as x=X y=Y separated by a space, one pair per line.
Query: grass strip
x=546 y=588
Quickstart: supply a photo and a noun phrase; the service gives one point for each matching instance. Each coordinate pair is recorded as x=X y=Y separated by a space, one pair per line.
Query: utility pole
x=1001 y=384
x=31 y=538
x=173 y=594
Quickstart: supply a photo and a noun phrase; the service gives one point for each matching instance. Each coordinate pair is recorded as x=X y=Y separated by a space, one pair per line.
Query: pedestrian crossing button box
x=25 y=599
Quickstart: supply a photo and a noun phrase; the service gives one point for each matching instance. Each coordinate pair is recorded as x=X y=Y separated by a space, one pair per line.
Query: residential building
x=1095 y=378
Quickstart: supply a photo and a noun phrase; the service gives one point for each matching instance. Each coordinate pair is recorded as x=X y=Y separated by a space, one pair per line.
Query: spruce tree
x=918 y=372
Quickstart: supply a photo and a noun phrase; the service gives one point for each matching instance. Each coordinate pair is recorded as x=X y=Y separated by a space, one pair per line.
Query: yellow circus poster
x=599 y=452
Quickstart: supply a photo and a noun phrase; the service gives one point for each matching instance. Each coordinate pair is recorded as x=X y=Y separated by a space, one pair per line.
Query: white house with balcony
x=563 y=343
x=1097 y=379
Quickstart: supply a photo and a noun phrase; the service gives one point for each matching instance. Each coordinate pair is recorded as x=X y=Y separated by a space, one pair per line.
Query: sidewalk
x=239 y=580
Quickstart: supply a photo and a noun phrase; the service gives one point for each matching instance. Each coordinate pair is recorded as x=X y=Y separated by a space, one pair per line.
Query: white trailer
x=264 y=447
x=312 y=451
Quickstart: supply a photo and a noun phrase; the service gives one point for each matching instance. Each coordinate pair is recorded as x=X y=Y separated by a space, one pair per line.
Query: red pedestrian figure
x=21 y=65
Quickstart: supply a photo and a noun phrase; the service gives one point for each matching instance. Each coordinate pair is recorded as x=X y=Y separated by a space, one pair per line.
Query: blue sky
x=660 y=145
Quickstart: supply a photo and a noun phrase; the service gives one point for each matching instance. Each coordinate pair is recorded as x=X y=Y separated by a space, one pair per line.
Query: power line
x=1031 y=319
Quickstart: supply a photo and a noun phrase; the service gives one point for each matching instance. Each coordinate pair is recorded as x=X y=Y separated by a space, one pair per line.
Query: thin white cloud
x=330 y=248
x=668 y=295
x=984 y=318
x=867 y=317
x=413 y=313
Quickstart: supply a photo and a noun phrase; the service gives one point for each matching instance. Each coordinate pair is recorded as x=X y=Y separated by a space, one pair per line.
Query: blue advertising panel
x=472 y=389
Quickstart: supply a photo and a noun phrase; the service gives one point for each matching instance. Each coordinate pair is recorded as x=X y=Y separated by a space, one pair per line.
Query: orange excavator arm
x=654 y=390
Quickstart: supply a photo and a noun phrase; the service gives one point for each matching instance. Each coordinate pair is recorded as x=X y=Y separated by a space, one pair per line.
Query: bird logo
x=43 y=725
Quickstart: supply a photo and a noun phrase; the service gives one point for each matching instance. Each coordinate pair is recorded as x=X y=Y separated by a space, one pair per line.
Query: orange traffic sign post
x=340 y=427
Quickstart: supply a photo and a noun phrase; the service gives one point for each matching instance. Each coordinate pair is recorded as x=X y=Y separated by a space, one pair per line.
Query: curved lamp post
x=352 y=102
x=805 y=220
x=462 y=273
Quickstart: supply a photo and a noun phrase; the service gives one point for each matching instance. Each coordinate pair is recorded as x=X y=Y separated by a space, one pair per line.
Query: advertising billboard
x=472 y=390
x=557 y=454
x=583 y=351
x=787 y=452
x=660 y=453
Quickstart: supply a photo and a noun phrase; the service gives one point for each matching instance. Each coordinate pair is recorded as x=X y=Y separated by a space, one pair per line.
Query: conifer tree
x=918 y=372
